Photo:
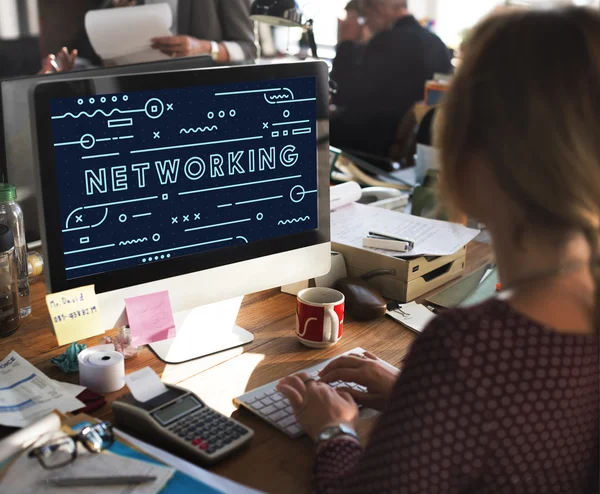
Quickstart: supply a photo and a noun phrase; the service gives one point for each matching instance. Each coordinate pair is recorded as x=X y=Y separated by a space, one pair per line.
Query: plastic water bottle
x=9 y=308
x=12 y=216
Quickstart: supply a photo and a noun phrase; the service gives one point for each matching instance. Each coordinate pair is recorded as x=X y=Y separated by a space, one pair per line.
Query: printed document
x=27 y=476
x=27 y=395
x=352 y=223
x=122 y=36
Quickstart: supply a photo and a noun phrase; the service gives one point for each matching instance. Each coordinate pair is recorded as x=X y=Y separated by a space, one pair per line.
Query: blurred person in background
x=378 y=82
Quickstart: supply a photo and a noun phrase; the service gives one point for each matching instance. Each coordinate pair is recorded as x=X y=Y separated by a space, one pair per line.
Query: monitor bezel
x=47 y=182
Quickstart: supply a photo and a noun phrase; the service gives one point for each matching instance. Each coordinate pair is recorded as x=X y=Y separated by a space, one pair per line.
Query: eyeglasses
x=61 y=451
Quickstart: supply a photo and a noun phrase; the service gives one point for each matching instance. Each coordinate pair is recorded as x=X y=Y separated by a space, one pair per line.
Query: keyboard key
x=294 y=429
x=278 y=415
x=271 y=391
x=281 y=405
x=268 y=410
x=289 y=420
x=278 y=396
x=258 y=405
x=267 y=401
x=289 y=409
x=251 y=400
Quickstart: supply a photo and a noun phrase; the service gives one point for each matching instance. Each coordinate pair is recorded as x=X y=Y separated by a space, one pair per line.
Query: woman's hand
x=181 y=46
x=366 y=370
x=63 y=61
x=316 y=404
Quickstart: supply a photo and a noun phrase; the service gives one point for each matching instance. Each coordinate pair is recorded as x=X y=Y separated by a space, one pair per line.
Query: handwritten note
x=75 y=314
x=150 y=318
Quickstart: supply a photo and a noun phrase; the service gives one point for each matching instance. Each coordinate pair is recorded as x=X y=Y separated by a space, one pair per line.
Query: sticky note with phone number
x=75 y=314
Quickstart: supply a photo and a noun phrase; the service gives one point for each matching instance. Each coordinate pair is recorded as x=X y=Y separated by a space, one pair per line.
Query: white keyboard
x=272 y=406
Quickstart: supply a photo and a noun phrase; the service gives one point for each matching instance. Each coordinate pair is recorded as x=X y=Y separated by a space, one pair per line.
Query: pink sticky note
x=150 y=318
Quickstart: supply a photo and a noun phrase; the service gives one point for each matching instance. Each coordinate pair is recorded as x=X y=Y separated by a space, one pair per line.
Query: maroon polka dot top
x=488 y=401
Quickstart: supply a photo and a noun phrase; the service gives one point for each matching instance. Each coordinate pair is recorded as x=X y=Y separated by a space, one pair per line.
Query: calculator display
x=177 y=409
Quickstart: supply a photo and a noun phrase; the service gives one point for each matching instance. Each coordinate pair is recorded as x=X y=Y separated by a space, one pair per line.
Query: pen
x=101 y=481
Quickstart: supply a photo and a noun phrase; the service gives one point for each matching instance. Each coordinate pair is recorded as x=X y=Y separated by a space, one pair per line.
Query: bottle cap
x=8 y=193
x=7 y=241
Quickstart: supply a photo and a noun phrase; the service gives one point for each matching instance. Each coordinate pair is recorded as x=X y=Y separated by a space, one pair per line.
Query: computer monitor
x=210 y=184
x=16 y=145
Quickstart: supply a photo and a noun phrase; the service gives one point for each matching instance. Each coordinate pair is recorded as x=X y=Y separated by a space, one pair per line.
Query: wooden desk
x=273 y=462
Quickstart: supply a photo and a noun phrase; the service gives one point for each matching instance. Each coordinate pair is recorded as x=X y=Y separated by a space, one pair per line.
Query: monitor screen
x=150 y=176
x=15 y=119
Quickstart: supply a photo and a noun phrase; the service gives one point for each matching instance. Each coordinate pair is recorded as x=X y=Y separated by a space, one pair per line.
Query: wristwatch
x=214 y=50
x=334 y=431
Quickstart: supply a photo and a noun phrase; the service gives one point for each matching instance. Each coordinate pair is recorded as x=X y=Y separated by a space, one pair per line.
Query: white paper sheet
x=215 y=481
x=414 y=316
x=352 y=223
x=145 y=384
x=121 y=36
x=22 y=439
x=70 y=388
x=26 y=475
x=27 y=395
x=343 y=194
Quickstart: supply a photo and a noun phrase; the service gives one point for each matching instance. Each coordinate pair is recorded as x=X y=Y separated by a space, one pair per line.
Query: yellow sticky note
x=75 y=314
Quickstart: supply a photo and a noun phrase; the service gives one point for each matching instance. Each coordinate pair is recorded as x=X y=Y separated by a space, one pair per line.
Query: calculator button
x=196 y=441
x=203 y=446
x=211 y=450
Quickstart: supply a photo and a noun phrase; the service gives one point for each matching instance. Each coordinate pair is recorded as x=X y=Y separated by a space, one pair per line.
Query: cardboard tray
x=413 y=277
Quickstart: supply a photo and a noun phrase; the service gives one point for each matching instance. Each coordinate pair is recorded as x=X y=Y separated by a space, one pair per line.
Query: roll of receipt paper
x=102 y=369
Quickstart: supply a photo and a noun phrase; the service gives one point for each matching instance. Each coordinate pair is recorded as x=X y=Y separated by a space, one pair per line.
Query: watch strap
x=335 y=431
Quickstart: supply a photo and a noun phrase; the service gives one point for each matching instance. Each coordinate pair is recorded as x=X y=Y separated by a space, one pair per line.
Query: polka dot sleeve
x=486 y=402
x=420 y=438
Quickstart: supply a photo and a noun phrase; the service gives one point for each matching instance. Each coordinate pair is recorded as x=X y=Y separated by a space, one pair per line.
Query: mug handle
x=334 y=327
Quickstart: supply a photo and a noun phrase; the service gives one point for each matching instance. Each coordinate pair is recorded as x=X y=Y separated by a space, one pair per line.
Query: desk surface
x=273 y=462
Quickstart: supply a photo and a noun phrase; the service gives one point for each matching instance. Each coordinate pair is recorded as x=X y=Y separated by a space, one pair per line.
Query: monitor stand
x=203 y=331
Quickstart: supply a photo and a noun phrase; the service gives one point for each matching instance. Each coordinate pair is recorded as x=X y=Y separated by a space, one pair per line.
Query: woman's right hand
x=366 y=370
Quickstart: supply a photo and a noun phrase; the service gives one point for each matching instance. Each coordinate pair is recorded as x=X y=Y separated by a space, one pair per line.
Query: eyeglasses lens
x=57 y=453
x=98 y=437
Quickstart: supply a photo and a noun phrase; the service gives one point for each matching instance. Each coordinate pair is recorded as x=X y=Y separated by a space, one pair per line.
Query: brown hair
x=526 y=102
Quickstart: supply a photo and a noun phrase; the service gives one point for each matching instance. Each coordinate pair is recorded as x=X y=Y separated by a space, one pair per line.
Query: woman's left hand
x=316 y=404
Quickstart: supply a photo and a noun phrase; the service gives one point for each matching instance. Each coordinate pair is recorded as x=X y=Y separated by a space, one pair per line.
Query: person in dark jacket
x=379 y=81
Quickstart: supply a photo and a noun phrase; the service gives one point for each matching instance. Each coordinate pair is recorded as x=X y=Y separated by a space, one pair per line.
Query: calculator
x=181 y=423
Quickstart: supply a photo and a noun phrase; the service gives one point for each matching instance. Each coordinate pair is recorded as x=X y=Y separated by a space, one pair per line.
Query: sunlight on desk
x=218 y=385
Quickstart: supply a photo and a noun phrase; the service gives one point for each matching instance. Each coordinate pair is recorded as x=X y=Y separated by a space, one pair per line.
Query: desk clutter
x=86 y=455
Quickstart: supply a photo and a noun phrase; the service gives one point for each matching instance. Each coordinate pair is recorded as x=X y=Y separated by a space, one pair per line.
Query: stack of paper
x=352 y=223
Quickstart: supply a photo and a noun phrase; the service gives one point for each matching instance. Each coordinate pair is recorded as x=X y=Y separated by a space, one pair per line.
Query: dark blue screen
x=147 y=176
